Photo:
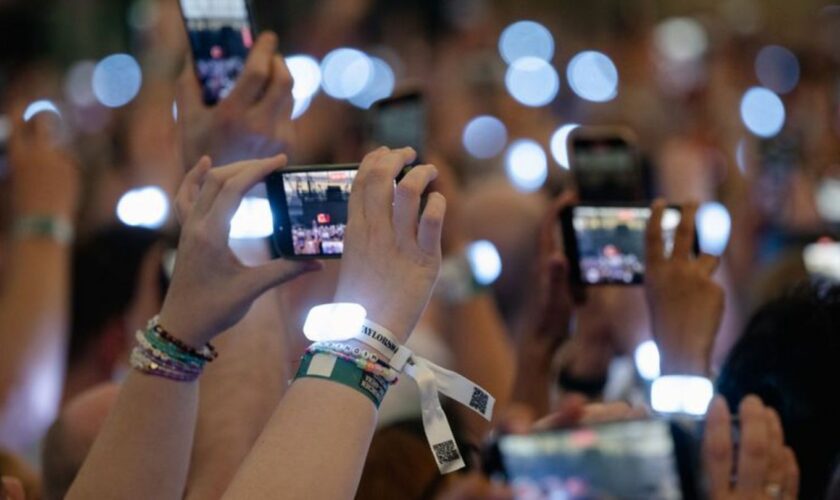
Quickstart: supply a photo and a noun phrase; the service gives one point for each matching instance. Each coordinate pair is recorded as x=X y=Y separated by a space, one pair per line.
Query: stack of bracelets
x=159 y=353
x=349 y=365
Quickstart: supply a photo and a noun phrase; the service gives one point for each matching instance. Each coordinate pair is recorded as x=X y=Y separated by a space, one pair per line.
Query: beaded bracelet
x=207 y=352
x=368 y=365
x=159 y=353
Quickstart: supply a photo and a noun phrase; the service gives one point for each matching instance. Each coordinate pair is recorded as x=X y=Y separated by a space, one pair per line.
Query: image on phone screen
x=399 y=122
x=608 y=243
x=310 y=211
x=221 y=32
x=627 y=460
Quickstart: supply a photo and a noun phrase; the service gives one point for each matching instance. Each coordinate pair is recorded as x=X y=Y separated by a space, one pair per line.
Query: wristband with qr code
x=330 y=367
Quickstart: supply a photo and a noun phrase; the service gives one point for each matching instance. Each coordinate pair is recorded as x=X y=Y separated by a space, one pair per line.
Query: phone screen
x=628 y=460
x=609 y=242
x=399 y=122
x=221 y=33
x=606 y=170
x=310 y=210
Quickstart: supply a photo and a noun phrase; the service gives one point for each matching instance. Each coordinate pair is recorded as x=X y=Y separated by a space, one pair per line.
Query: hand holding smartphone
x=221 y=33
x=605 y=244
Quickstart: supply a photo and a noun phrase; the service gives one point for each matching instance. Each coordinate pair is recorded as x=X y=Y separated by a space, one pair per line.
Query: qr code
x=479 y=400
x=446 y=452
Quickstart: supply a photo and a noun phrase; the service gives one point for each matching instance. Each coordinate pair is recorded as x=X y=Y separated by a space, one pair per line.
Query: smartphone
x=221 y=33
x=605 y=245
x=606 y=165
x=398 y=122
x=637 y=459
x=309 y=207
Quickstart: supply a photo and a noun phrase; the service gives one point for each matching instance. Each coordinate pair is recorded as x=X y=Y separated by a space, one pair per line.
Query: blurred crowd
x=735 y=105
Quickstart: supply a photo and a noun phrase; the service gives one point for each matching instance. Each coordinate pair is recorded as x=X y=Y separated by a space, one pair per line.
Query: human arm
x=685 y=303
x=549 y=327
x=143 y=450
x=34 y=305
x=316 y=443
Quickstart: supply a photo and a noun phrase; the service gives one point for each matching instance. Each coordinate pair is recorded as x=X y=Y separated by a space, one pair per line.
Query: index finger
x=753 y=459
x=654 y=248
x=684 y=240
x=717 y=448
x=377 y=180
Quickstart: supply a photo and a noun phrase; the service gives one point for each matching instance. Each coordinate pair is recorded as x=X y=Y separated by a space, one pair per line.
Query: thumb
x=277 y=272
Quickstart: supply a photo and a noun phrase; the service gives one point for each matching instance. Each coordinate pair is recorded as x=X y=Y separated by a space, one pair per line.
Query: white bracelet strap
x=431 y=379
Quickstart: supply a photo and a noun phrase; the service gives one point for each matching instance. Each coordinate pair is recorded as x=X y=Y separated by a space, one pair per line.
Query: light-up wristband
x=681 y=394
x=431 y=379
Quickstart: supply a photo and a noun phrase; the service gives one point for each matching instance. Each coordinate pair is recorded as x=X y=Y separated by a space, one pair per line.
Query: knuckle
x=408 y=190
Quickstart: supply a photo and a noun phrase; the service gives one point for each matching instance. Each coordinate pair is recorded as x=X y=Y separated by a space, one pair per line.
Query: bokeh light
x=78 y=84
x=300 y=107
x=526 y=165
x=40 y=106
x=823 y=259
x=116 y=80
x=526 y=39
x=828 y=199
x=532 y=81
x=742 y=155
x=380 y=86
x=762 y=112
x=144 y=207
x=681 y=39
x=646 y=358
x=346 y=72
x=252 y=219
x=559 y=144
x=306 y=73
x=593 y=76
x=777 y=68
x=485 y=137
x=485 y=262
x=714 y=226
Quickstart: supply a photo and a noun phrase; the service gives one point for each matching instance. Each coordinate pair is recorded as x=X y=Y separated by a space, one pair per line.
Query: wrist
x=181 y=327
x=43 y=226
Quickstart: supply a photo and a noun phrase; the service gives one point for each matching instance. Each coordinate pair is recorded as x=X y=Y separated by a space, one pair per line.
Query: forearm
x=143 y=451
x=483 y=353
x=34 y=315
x=533 y=376
x=230 y=419
x=314 y=446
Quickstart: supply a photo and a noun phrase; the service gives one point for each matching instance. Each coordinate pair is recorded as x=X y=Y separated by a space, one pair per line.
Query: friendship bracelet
x=333 y=368
x=143 y=364
x=57 y=229
x=151 y=342
x=207 y=352
x=341 y=351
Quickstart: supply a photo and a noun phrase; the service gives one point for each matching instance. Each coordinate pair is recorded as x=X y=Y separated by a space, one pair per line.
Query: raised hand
x=765 y=467
x=254 y=121
x=685 y=302
x=392 y=252
x=211 y=289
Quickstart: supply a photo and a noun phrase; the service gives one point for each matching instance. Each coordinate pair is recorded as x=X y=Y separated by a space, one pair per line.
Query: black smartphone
x=309 y=206
x=221 y=33
x=606 y=165
x=636 y=459
x=605 y=245
x=398 y=122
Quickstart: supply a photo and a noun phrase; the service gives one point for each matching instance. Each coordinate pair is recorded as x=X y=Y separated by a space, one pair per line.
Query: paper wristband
x=328 y=367
x=431 y=380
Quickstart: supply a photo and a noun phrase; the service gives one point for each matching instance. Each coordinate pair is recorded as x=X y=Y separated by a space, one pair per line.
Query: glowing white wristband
x=334 y=322
x=684 y=394
x=337 y=322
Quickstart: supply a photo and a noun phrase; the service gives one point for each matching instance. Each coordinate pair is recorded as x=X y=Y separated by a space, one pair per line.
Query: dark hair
x=785 y=357
x=105 y=274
